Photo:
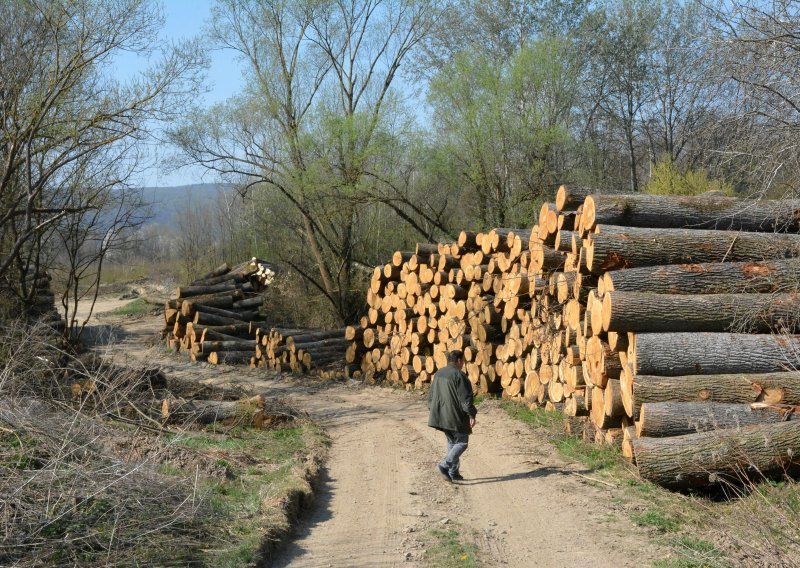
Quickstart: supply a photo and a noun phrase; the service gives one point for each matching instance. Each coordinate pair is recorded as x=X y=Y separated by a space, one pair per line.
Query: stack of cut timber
x=33 y=296
x=602 y=304
x=302 y=350
x=476 y=295
x=685 y=334
x=215 y=317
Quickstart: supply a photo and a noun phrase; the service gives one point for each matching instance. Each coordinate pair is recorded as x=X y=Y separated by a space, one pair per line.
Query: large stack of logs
x=609 y=307
x=215 y=318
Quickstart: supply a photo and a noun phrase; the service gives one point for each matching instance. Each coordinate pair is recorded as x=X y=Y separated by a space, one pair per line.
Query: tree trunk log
x=313 y=336
x=240 y=345
x=748 y=313
x=189 y=291
x=711 y=278
x=776 y=388
x=203 y=318
x=627 y=247
x=223 y=300
x=254 y=302
x=219 y=271
x=663 y=419
x=722 y=456
x=692 y=212
x=569 y=197
x=230 y=357
x=674 y=354
x=188 y=412
x=230 y=314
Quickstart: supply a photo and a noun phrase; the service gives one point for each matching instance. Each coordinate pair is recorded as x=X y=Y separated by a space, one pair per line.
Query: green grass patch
x=538 y=417
x=657 y=519
x=448 y=550
x=694 y=553
x=135 y=308
x=591 y=455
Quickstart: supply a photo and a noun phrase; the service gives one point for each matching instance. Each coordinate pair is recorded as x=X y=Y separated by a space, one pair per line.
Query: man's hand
x=472 y=422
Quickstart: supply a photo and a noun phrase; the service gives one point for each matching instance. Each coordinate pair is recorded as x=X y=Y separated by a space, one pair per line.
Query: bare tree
x=62 y=115
x=307 y=128
x=757 y=54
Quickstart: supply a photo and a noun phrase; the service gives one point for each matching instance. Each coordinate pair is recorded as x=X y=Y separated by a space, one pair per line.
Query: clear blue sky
x=186 y=19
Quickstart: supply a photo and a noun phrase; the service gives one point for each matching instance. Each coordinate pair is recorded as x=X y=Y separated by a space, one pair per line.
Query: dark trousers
x=456 y=445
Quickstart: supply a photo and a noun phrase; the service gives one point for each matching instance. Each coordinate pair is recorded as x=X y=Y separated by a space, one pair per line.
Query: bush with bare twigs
x=91 y=473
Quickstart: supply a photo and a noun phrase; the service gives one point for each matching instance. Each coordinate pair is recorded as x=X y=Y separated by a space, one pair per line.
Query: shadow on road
x=321 y=513
x=532 y=474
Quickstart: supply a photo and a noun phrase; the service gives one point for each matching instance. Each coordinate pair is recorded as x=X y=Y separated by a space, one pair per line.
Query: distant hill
x=166 y=202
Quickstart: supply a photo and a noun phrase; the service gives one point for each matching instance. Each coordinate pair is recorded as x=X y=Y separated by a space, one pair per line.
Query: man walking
x=452 y=412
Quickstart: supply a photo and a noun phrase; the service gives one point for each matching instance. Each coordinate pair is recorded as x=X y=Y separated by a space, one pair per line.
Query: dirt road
x=521 y=503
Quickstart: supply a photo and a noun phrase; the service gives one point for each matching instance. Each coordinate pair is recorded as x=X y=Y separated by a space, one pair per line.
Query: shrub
x=668 y=179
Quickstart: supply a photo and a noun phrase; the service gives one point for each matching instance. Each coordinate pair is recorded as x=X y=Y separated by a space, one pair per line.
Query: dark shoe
x=444 y=472
x=456 y=477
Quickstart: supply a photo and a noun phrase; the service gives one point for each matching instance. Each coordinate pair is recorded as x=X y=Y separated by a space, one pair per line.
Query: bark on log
x=208 y=411
x=254 y=302
x=223 y=300
x=628 y=247
x=189 y=291
x=694 y=212
x=335 y=342
x=663 y=419
x=239 y=345
x=312 y=336
x=710 y=278
x=220 y=270
x=674 y=354
x=722 y=456
x=747 y=313
x=774 y=388
x=245 y=316
x=570 y=197
x=203 y=318
x=230 y=357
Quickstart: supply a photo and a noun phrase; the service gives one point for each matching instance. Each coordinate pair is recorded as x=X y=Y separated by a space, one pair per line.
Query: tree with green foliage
x=667 y=179
x=502 y=123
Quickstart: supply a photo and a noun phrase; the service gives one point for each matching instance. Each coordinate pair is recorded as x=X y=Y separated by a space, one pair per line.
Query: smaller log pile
x=214 y=318
x=303 y=350
x=34 y=297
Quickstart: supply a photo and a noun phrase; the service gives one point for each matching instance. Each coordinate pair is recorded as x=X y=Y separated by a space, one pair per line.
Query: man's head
x=456 y=359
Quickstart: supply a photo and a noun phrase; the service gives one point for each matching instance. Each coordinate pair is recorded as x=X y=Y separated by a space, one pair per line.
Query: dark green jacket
x=450 y=401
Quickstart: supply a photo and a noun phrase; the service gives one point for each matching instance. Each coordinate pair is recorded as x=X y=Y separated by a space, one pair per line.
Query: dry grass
x=89 y=475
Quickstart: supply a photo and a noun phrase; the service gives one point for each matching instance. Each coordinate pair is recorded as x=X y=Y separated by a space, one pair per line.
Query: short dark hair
x=455 y=356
